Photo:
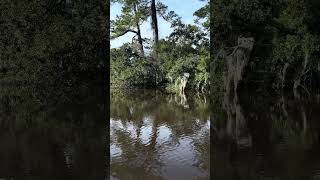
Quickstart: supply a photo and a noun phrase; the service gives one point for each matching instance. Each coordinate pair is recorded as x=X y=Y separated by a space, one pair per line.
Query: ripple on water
x=115 y=150
x=164 y=134
x=180 y=154
x=159 y=141
x=145 y=135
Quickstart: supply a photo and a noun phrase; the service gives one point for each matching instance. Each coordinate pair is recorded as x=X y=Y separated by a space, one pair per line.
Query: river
x=159 y=136
x=153 y=135
x=53 y=135
x=253 y=136
x=259 y=136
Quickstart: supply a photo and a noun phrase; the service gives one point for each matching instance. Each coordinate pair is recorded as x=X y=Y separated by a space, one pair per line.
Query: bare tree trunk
x=154 y=22
x=138 y=32
x=154 y=25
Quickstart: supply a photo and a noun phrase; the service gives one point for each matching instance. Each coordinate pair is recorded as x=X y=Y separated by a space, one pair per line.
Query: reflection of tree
x=45 y=141
x=160 y=110
x=145 y=159
x=283 y=130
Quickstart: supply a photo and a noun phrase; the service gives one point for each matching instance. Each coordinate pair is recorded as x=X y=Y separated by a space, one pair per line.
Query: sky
x=184 y=8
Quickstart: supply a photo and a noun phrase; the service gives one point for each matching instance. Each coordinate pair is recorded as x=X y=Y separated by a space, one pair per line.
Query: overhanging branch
x=123 y=33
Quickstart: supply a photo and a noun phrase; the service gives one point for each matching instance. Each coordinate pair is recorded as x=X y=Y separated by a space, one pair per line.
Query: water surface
x=265 y=137
x=153 y=135
x=159 y=136
x=52 y=135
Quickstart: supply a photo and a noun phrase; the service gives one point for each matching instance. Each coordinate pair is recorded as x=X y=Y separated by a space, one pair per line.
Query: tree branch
x=133 y=38
x=123 y=33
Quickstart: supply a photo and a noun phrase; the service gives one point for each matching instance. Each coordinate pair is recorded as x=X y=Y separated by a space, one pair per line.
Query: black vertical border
x=107 y=85
x=210 y=90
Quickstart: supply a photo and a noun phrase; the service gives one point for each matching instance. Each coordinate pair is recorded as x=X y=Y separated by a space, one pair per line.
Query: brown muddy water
x=46 y=136
x=257 y=137
x=153 y=135
x=158 y=136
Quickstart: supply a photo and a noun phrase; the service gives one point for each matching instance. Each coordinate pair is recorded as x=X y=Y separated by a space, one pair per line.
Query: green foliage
x=185 y=50
x=41 y=41
x=203 y=16
x=133 y=11
x=286 y=49
x=231 y=18
x=299 y=47
x=128 y=70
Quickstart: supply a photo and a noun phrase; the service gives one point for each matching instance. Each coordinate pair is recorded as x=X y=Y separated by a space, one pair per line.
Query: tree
x=154 y=22
x=185 y=50
x=286 y=49
x=132 y=10
x=52 y=42
x=203 y=14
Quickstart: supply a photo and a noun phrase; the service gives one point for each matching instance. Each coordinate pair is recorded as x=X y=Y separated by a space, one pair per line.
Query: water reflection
x=52 y=138
x=158 y=136
x=265 y=137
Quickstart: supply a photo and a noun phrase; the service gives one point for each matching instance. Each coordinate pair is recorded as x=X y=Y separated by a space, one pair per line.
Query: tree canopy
x=286 y=50
x=185 y=50
x=53 y=41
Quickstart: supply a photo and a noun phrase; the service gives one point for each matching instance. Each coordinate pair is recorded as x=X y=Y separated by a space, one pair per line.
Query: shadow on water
x=263 y=137
x=52 y=137
x=158 y=136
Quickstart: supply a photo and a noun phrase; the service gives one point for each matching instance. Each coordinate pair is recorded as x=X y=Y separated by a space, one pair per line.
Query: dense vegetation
x=286 y=51
x=53 y=42
x=159 y=63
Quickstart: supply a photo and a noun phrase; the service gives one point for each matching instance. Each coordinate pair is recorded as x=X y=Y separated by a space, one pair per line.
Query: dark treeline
x=53 y=41
x=285 y=52
x=264 y=58
x=52 y=118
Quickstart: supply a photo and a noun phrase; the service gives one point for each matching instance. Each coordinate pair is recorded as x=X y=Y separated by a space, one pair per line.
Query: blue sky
x=184 y=8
